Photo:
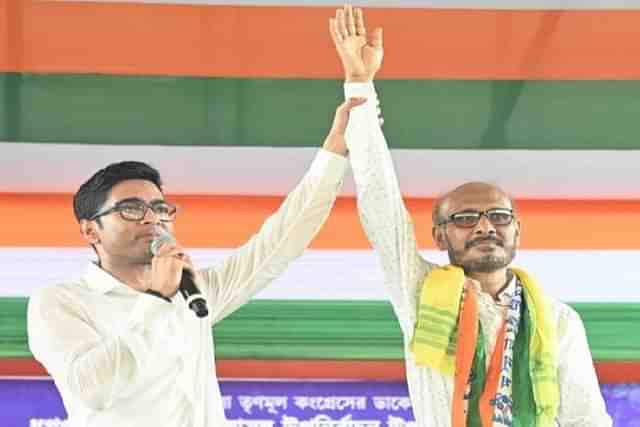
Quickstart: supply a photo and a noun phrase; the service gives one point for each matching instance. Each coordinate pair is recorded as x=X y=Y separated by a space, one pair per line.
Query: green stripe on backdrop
x=366 y=330
x=10 y=108
x=103 y=109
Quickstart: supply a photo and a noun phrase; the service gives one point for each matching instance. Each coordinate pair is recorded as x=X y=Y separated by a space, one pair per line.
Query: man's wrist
x=334 y=142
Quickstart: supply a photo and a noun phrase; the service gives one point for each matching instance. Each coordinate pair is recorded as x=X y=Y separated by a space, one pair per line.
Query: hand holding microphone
x=171 y=274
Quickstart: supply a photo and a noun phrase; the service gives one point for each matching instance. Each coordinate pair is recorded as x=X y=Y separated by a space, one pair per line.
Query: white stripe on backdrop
x=441 y=4
x=572 y=276
x=258 y=171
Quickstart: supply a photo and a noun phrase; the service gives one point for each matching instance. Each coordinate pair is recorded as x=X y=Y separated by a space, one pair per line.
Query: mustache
x=480 y=240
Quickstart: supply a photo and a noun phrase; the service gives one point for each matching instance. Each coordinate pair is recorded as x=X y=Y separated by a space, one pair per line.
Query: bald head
x=469 y=195
x=477 y=245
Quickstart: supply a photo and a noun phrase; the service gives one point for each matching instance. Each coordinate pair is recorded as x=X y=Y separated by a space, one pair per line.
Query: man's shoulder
x=61 y=293
x=566 y=319
x=562 y=311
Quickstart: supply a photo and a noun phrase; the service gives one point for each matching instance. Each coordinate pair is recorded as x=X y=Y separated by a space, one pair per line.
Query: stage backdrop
x=231 y=100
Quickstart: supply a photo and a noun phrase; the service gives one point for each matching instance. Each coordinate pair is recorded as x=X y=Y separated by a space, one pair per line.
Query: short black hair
x=92 y=195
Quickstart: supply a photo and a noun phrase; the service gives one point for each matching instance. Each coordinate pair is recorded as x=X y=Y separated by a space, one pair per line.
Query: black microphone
x=187 y=288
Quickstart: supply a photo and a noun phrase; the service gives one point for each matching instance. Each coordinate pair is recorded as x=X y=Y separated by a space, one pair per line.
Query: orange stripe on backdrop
x=226 y=221
x=291 y=42
x=5 y=63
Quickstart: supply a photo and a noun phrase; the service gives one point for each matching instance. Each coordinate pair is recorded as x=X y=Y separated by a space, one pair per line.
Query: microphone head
x=164 y=237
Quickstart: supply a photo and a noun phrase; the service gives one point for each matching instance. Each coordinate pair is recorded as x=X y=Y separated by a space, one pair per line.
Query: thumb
x=342 y=114
x=375 y=39
x=353 y=102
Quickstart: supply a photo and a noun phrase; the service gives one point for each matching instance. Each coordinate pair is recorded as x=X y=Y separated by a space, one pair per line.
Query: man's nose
x=484 y=226
x=150 y=217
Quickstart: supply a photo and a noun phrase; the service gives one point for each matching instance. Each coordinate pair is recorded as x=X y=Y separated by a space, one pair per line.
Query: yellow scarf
x=446 y=332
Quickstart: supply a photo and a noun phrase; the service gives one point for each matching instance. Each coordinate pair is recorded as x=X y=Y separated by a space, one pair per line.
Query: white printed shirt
x=390 y=230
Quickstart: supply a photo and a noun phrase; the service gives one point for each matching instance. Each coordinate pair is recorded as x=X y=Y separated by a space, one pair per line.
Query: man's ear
x=517 y=234
x=439 y=238
x=89 y=231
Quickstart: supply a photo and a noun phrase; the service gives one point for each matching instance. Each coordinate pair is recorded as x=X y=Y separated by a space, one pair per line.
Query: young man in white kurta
x=121 y=357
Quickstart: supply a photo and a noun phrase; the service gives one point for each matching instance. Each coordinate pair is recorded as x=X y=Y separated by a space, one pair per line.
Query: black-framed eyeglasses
x=136 y=210
x=471 y=218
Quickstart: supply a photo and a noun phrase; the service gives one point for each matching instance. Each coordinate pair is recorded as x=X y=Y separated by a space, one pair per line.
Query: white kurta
x=124 y=358
x=389 y=227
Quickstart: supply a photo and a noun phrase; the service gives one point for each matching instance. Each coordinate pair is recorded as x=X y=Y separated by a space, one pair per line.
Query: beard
x=487 y=263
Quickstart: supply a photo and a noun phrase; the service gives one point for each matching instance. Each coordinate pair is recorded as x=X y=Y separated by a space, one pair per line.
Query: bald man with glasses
x=484 y=345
